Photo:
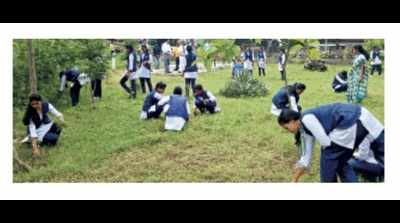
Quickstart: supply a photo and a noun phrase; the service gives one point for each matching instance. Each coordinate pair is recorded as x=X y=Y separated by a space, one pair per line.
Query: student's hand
x=35 y=148
x=298 y=172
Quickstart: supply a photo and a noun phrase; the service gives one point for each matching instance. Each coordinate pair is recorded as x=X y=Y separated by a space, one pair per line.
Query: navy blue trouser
x=203 y=107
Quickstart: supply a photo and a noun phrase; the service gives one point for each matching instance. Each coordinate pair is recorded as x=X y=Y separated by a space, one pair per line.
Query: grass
x=242 y=144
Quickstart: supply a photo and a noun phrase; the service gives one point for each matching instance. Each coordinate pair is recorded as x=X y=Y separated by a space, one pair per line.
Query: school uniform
x=281 y=101
x=71 y=76
x=206 y=102
x=44 y=130
x=281 y=62
x=177 y=112
x=237 y=70
x=376 y=63
x=150 y=108
x=339 y=84
x=261 y=63
x=339 y=129
x=130 y=75
x=145 y=72
x=248 y=62
x=190 y=72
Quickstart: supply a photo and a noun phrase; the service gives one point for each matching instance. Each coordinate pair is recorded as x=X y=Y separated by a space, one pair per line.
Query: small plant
x=244 y=86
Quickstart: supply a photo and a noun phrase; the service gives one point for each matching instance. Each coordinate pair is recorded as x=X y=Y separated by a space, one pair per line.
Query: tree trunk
x=32 y=68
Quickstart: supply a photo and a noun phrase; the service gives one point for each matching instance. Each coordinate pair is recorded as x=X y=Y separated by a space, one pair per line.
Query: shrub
x=244 y=86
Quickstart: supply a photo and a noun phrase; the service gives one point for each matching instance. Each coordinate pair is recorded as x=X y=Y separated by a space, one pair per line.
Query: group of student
x=351 y=138
x=244 y=64
x=176 y=106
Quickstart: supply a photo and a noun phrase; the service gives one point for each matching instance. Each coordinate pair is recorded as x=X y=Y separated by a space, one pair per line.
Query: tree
x=32 y=67
x=206 y=53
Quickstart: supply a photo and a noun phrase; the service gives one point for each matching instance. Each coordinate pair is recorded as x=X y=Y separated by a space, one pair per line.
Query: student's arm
x=63 y=80
x=211 y=96
x=304 y=162
x=56 y=113
x=188 y=109
x=164 y=101
x=312 y=124
x=131 y=61
x=293 y=104
x=362 y=72
x=34 y=138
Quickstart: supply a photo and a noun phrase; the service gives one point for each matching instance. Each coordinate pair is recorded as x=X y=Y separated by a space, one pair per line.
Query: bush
x=244 y=86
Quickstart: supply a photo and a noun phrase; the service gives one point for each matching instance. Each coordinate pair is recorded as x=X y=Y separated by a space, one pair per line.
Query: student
x=339 y=83
x=40 y=127
x=113 y=59
x=130 y=73
x=237 y=69
x=281 y=62
x=182 y=56
x=150 y=106
x=261 y=62
x=156 y=55
x=339 y=129
x=96 y=88
x=71 y=75
x=177 y=110
x=145 y=70
x=376 y=61
x=190 y=72
x=166 y=50
x=205 y=101
x=287 y=98
x=358 y=77
x=248 y=62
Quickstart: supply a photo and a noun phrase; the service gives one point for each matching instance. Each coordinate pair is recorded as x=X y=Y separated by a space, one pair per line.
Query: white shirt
x=166 y=48
x=191 y=75
x=63 y=81
x=130 y=63
x=40 y=132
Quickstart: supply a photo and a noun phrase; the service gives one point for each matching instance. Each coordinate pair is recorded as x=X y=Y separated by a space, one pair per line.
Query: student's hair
x=189 y=48
x=296 y=86
x=361 y=50
x=199 y=87
x=178 y=91
x=343 y=75
x=30 y=113
x=129 y=48
x=61 y=74
x=161 y=85
x=300 y=86
x=144 y=48
x=287 y=116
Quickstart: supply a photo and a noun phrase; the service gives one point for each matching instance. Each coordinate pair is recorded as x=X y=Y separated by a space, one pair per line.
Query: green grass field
x=242 y=144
